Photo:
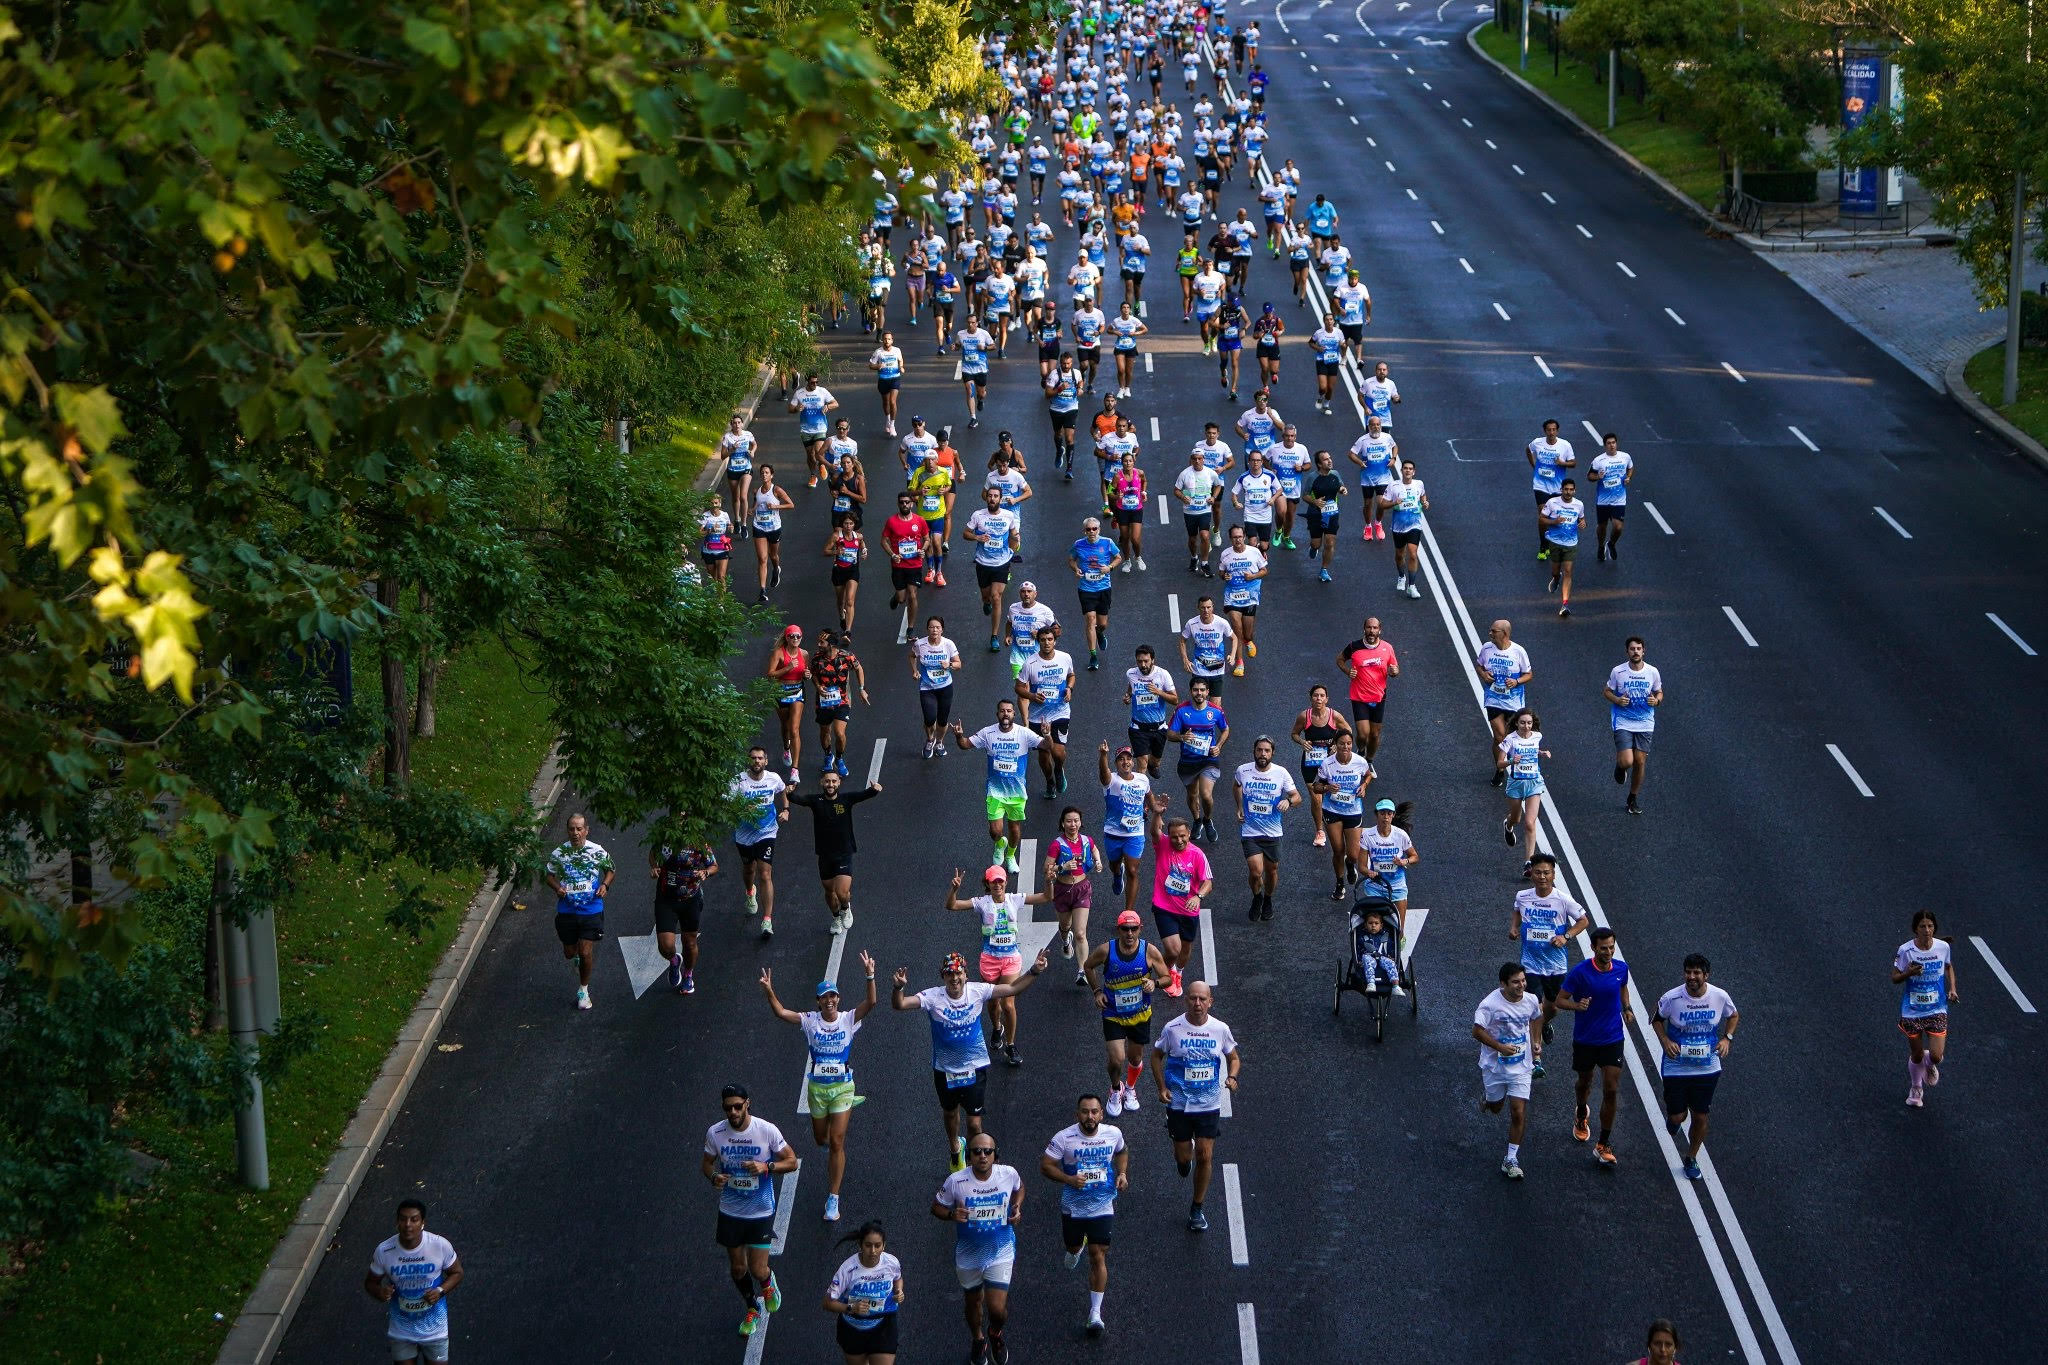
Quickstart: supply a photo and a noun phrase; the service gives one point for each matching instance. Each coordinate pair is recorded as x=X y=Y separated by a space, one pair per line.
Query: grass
x=696 y=439
x=145 y=1284
x=1986 y=374
x=1671 y=149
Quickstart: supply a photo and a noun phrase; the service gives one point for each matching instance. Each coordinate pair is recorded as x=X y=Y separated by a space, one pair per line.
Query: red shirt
x=905 y=537
x=1370 y=664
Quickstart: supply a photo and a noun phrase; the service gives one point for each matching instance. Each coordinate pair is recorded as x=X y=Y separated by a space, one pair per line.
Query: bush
x=2034 y=319
x=1782 y=187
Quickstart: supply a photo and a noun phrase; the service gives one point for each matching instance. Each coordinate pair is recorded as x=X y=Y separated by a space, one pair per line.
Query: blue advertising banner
x=1862 y=83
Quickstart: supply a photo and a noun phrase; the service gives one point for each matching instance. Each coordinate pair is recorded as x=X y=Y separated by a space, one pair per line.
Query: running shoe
x=1066 y=943
x=1620 y=775
x=1507 y=829
x=1010 y=1055
x=1581 y=1130
x=1692 y=1170
x=773 y=1303
x=1934 y=1073
x=1415 y=592
x=1237 y=669
x=1012 y=863
x=1116 y=879
x=1543 y=554
x=689 y=986
x=959 y=1153
x=1500 y=777
x=1604 y=1155
x=1070 y=1259
x=1324 y=576
x=1548 y=1029
x=1251 y=648
x=767 y=926
x=1173 y=986
x=1080 y=978
x=583 y=997
x=939 y=579
x=1096 y=1326
x=1130 y=1099
x=834 y=927
x=1914 y=1098
x=1265 y=909
x=977 y=1352
x=1511 y=1168
x=751 y=1322
x=1321 y=840
x=1565 y=610
x=1536 y=1069
x=831 y=1208
x=1551 y=586
x=1115 y=1106
x=1126 y=568
x=1337 y=892
x=1632 y=807
x=1197 y=1220
x=998 y=1349
x=675 y=971
x=1141 y=563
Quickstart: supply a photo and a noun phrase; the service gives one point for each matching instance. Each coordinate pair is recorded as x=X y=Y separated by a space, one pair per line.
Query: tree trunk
x=216 y=948
x=397 y=720
x=429 y=674
x=81 y=874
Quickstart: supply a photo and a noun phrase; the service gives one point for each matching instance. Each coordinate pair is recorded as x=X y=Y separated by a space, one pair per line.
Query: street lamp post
x=2016 y=284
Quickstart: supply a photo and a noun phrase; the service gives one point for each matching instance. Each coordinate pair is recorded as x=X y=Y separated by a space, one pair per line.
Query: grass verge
x=1671 y=149
x=162 y=1277
x=1986 y=374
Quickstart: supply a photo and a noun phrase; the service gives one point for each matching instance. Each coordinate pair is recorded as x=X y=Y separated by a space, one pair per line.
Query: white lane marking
x=1503 y=313
x=1625 y=270
x=1542 y=366
x=875 y=763
x=1141 y=309
x=1468 y=266
x=1354 y=120
x=1247 y=1334
x=785 y=1204
x=956 y=372
x=2010 y=634
x=903 y=626
x=1518 y=169
x=1233 y=1206
x=1674 y=317
x=1591 y=430
x=1340 y=101
x=1893 y=522
x=1434 y=223
x=1148 y=370
x=1445 y=103
x=1411 y=70
x=1584 y=231
x=1326 y=84
x=1546 y=197
x=1735 y=372
x=1163 y=521
x=1467 y=122
x=1390 y=167
x=1313 y=67
x=1210 y=971
x=1370 y=143
x=1862 y=787
x=1804 y=439
x=1998 y=970
x=1740 y=629
x=1411 y=194
x=1658 y=517
x=1155 y=436
x=1491 y=145
x=1427 y=86
x=1173 y=610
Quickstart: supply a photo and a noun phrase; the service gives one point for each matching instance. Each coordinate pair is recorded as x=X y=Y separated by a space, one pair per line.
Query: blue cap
x=828 y=988
x=1383 y=804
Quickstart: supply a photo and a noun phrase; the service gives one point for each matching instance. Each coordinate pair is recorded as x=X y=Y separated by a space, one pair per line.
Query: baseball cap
x=995 y=873
x=828 y=988
x=1383 y=804
x=1129 y=919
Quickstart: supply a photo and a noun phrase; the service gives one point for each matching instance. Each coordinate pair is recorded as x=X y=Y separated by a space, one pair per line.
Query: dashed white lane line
x=1354 y=120
x=1740 y=629
x=1210 y=971
x=1502 y=311
x=1893 y=522
x=1233 y=1205
x=1438 y=226
x=1491 y=145
x=1518 y=169
x=2019 y=997
x=1541 y=366
x=1411 y=70
x=1862 y=787
x=1468 y=266
x=1148 y=370
x=1142 y=311
x=1467 y=122
x=1340 y=101
x=2010 y=634
x=1326 y=85
x=1584 y=231
x=1247 y=1334
x=1427 y=86
x=1163 y=519
x=1591 y=430
x=1155 y=436
x=785 y=1204
x=1172 y=603
x=1804 y=439
x=1658 y=517
x=1623 y=266
x=1546 y=197
x=1390 y=168
x=1411 y=194
x=1370 y=143
x=1445 y=103
x=874 y=775
x=1669 y=313
x=1737 y=374
x=1313 y=67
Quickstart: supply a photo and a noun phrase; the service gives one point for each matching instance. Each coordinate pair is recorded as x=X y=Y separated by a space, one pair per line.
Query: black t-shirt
x=832 y=819
x=1326 y=487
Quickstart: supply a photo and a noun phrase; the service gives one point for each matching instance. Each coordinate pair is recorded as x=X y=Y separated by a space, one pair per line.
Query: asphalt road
x=559 y=1151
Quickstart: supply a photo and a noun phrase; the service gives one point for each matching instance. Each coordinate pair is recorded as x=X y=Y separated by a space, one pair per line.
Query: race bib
x=1093 y=1175
x=1524 y=767
x=959 y=1078
x=1002 y=944
x=864 y=1307
x=990 y=1213
x=1200 y=1073
x=1006 y=766
x=743 y=1182
x=822 y=1070
x=907 y=549
x=1196 y=743
x=831 y=696
x=1695 y=1052
x=792 y=692
x=1179 y=883
x=1259 y=807
x=1127 y=998
x=938 y=677
x=1130 y=822
x=1536 y=933
x=1133 y=501
x=1048 y=692
x=1316 y=754
x=1925 y=995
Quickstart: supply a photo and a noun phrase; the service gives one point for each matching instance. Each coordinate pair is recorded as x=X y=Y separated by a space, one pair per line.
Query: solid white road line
x=1548 y=200
x=1155 y=436
x=1625 y=270
x=1669 y=313
x=1893 y=522
x=2010 y=634
x=1735 y=372
x=1843 y=759
x=1467 y=264
x=1503 y=313
x=1163 y=521
x=1541 y=366
x=1998 y=970
x=1658 y=517
x=1804 y=439
x=1233 y=1204
x=1740 y=629
x=1173 y=611
x=1247 y=1334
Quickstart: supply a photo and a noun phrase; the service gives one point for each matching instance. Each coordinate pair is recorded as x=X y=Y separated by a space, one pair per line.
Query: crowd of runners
x=1134 y=137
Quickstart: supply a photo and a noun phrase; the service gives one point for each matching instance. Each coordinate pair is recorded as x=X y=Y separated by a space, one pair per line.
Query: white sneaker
x=1141 y=563
x=1067 y=943
x=1414 y=592
x=1131 y=1098
x=846 y=919
x=1070 y=1259
x=1012 y=864
x=753 y=903
x=1116 y=1103
x=1096 y=1326
x=1511 y=1168
x=835 y=927
x=1127 y=566
x=583 y=997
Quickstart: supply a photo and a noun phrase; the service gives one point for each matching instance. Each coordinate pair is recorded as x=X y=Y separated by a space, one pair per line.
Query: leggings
x=938 y=704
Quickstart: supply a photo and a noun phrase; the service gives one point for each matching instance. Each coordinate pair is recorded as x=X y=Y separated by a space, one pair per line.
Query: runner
x=580 y=872
x=1544 y=920
x=1006 y=474
x=1549 y=456
x=1267 y=329
x=1152 y=697
x=1381 y=395
x=1001 y=912
x=846 y=478
x=886 y=360
x=1370 y=662
x=933 y=660
x=1006 y=743
x=1501 y=1025
x=1612 y=470
x=904 y=535
x=1596 y=993
x=1406 y=500
x=1231 y=325
x=1063 y=402
x=1127 y=496
x=1125 y=794
x=768 y=797
x=1325 y=491
x=1070 y=862
x=828 y=1076
x=679 y=874
x=975 y=344
x=1090 y=1163
x=1342 y=782
x=1201 y=729
x=932 y=484
x=1560 y=517
x=866 y=1292
x=960 y=1058
x=832 y=837
x=1209 y=645
x=984 y=1202
x=413 y=1273
x=1208 y=287
x=716 y=524
x=1322 y=224
x=737 y=447
x=771 y=500
x=1375 y=454
x=1181 y=881
x=915 y=450
x=1256 y=495
x=1504 y=671
x=1264 y=792
x=1634 y=691
x=813 y=404
x=1093 y=559
x=1127 y=327
x=1316 y=730
x=1696 y=1024
x=997 y=538
x=1519 y=757
x=1198 y=487
x=1925 y=970
x=1025 y=618
x=1045 y=685
x=742 y=1156
x=1244 y=569
x=1124 y=972
x=1294 y=237
x=1389 y=853
x=836 y=675
x=1291 y=462
x=1353 y=303
x=1194 y=1062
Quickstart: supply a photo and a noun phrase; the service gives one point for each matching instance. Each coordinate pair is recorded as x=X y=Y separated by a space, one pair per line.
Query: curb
x=260 y=1328
x=708 y=476
x=1960 y=390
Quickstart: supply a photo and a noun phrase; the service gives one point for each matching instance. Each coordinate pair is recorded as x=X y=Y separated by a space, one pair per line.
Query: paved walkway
x=1918 y=305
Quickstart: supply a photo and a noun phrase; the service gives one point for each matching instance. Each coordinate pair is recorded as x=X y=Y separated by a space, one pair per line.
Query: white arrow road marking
x=1034 y=935
x=644 y=962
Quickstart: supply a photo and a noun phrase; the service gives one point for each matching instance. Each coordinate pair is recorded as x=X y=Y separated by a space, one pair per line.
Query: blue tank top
x=1123 y=981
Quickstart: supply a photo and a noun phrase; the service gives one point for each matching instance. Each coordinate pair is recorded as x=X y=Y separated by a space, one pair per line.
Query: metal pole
x=252 y=1150
x=1610 y=89
x=1525 y=35
x=2015 y=287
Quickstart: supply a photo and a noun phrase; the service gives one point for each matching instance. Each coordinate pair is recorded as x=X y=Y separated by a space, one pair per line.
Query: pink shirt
x=1177 y=877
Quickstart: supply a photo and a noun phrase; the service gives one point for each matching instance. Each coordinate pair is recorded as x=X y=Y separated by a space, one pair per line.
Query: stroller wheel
x=1337 y=995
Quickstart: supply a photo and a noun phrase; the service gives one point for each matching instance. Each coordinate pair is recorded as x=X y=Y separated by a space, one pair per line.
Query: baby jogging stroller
x=1351 y=974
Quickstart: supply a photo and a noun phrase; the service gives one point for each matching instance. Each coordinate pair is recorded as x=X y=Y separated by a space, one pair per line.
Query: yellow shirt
x=931 y=483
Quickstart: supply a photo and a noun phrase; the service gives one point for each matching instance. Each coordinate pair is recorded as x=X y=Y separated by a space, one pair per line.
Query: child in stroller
x=1374 y=949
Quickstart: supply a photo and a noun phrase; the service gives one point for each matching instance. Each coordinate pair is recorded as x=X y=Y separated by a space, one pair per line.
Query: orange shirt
x=1141 y=164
